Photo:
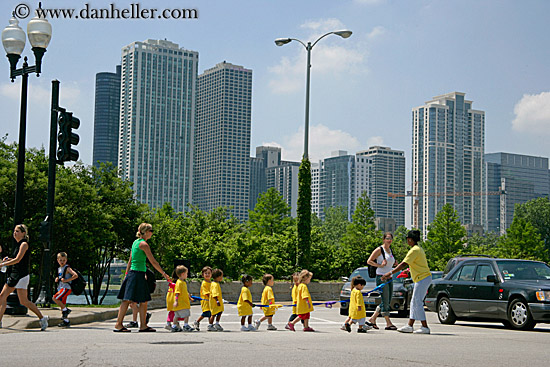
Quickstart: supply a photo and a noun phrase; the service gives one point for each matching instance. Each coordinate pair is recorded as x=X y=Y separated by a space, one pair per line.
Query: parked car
x=399 y=300
x=517 y=292
x=437 y=275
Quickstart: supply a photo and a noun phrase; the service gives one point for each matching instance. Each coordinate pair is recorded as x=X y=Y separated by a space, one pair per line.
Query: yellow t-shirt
x=183 y=296
x=215 y=291
x=170 y=296
x=355 y=301
x=302 y=293
x=243 y=307
x=267 y=296
x=205 y=294
x=416 y=259
x=294 y=291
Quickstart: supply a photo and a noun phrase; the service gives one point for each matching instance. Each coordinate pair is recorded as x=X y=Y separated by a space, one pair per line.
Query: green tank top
x=138 y=256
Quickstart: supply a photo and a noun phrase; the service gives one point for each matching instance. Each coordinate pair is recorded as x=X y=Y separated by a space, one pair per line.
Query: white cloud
x=322 y=141
x=376 y=32
x=533 y=114
x=375 y=141
x=331 y=56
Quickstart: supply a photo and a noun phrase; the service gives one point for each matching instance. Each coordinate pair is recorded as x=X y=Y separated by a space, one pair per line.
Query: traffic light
x=45 y=231
x=67 y=122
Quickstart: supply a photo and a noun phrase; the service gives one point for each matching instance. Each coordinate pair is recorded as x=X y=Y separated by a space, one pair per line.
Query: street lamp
x=303 y=218
x=309 y=47
x=39 y=31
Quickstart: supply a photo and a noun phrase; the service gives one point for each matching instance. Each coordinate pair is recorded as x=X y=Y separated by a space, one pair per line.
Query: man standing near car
x=422 y=278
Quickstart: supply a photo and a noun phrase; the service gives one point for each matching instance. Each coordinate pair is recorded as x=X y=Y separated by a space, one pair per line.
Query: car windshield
x=524 y=270
x=364 y=273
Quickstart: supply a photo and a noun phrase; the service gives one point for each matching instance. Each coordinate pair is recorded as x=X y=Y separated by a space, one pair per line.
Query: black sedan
x=517 y=292
x=398 y=301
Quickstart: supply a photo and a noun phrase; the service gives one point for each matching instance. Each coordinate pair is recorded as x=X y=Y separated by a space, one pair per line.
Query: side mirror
x=344 y=279
x=492 y=279
x=407 y=281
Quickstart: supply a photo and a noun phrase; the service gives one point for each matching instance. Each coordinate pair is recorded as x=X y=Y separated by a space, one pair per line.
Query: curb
x=90 y=316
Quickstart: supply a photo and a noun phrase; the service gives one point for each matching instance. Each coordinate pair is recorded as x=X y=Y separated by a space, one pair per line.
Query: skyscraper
x=157 y=118
x=448 y=139
x=522 y=178
x=106 y=117
x=222 y=139
x=387 y=174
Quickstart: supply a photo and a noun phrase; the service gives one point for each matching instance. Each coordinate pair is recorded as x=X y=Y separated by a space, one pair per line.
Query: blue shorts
x=206 y=314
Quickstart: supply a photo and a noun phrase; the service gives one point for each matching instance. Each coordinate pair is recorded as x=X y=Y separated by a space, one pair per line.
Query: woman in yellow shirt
x=422 y=278
x=304 y=304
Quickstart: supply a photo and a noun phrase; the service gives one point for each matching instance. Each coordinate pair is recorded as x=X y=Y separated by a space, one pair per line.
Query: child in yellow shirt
x=205 y=295
x=295 y=283
x=268 y=298
x=357 y=312
x=216 y=301
x=304 y=305
x=182 y=304
x=244 y=305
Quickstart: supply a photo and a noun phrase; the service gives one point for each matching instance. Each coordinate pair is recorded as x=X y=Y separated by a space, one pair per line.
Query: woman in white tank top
x=384 y=262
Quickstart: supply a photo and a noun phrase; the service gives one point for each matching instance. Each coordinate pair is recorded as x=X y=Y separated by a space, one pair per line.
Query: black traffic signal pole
x=45 y=298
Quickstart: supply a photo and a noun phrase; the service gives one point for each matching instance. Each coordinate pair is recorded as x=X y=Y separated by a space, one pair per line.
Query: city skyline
x=362 y=88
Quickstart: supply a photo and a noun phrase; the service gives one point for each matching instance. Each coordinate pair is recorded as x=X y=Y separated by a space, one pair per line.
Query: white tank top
x=390 y=260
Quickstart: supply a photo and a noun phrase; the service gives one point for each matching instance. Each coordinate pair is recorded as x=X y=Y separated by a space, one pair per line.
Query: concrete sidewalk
x=79 y=315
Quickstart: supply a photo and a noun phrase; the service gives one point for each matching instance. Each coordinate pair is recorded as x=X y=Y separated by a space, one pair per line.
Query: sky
x=401 y=54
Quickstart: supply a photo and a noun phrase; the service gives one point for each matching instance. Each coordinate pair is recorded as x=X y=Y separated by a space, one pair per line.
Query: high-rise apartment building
x=519 y=178
x=157 y=118
x=106 y=117
x=387 y=175
x=222 y=139
x=448 y=139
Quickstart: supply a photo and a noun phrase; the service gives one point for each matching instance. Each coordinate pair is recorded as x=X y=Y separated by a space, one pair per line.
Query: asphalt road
x=463 y=344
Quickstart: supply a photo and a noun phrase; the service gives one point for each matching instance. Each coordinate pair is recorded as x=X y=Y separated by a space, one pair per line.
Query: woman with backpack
x=382 y=259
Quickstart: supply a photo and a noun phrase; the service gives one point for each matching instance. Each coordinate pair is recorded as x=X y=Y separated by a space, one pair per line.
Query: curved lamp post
x=39 y=31
x=309 y=47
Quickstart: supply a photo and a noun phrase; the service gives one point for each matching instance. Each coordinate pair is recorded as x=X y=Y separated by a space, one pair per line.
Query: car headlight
x=398 y=294
x=345 y=293
x=543 y=295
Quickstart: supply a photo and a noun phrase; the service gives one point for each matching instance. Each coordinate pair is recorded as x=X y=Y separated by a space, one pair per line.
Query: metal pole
x=20 y=185
x=45 y=297
x=306 y=129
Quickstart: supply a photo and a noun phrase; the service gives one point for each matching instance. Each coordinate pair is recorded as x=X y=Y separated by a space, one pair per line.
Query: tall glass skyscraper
x=448 y=139
x=521 y=177
x=106 y=117
x=157 y=119
x=222 y=139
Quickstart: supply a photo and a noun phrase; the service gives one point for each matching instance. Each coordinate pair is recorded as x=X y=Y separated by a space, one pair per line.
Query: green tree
x=303 y=217
x=445 y=238
x=522 y=241
x=537 y=212
x=334 y=226
x=399 y=245
x=271 y=214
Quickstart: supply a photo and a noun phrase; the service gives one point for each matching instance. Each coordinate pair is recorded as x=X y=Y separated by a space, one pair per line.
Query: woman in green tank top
x=134 y=288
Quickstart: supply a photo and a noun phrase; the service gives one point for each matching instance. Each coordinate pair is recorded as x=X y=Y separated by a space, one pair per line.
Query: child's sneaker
x=347 y=327
x=196 y=325
x=251 y=328
x=308 y=329
x=44 y=323
x=167 y=326
x=271 y=327
x=257 y=324
x=362 y=331
x=343 y=327
x=406 y=329
x=188 y=328
x=211 y=328
x=290 y=327
x=422 y=330
x=218 y=327
x=65 y=313
x=244 y=328
x=175 y=329
x=131 y=324
x=64 y=323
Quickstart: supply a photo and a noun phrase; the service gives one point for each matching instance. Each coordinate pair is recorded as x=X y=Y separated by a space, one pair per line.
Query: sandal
x=148 y=329
x=391 y=327
x=373 y=325
x=122 y=330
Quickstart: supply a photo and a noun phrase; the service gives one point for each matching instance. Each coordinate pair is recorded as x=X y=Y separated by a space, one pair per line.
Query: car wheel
x=445 y=312
x=519 y=316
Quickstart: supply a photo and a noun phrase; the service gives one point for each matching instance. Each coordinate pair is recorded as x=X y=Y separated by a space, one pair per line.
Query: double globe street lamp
x=39 y=31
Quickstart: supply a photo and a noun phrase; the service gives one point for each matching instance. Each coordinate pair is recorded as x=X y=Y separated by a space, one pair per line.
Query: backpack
x=372 y=269
x=78 y=285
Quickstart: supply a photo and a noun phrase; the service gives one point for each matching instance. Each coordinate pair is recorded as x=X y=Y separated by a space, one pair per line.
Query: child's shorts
x=216 y=314
x=360 y=321
x=181 y=314
x=304 y=316
x=62 y=295
x=206 y=314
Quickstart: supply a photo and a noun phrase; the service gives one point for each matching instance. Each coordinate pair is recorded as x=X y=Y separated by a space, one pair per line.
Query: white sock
x=185 y=324
x=217 y=322
x=65 y=309
x=66 y=320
